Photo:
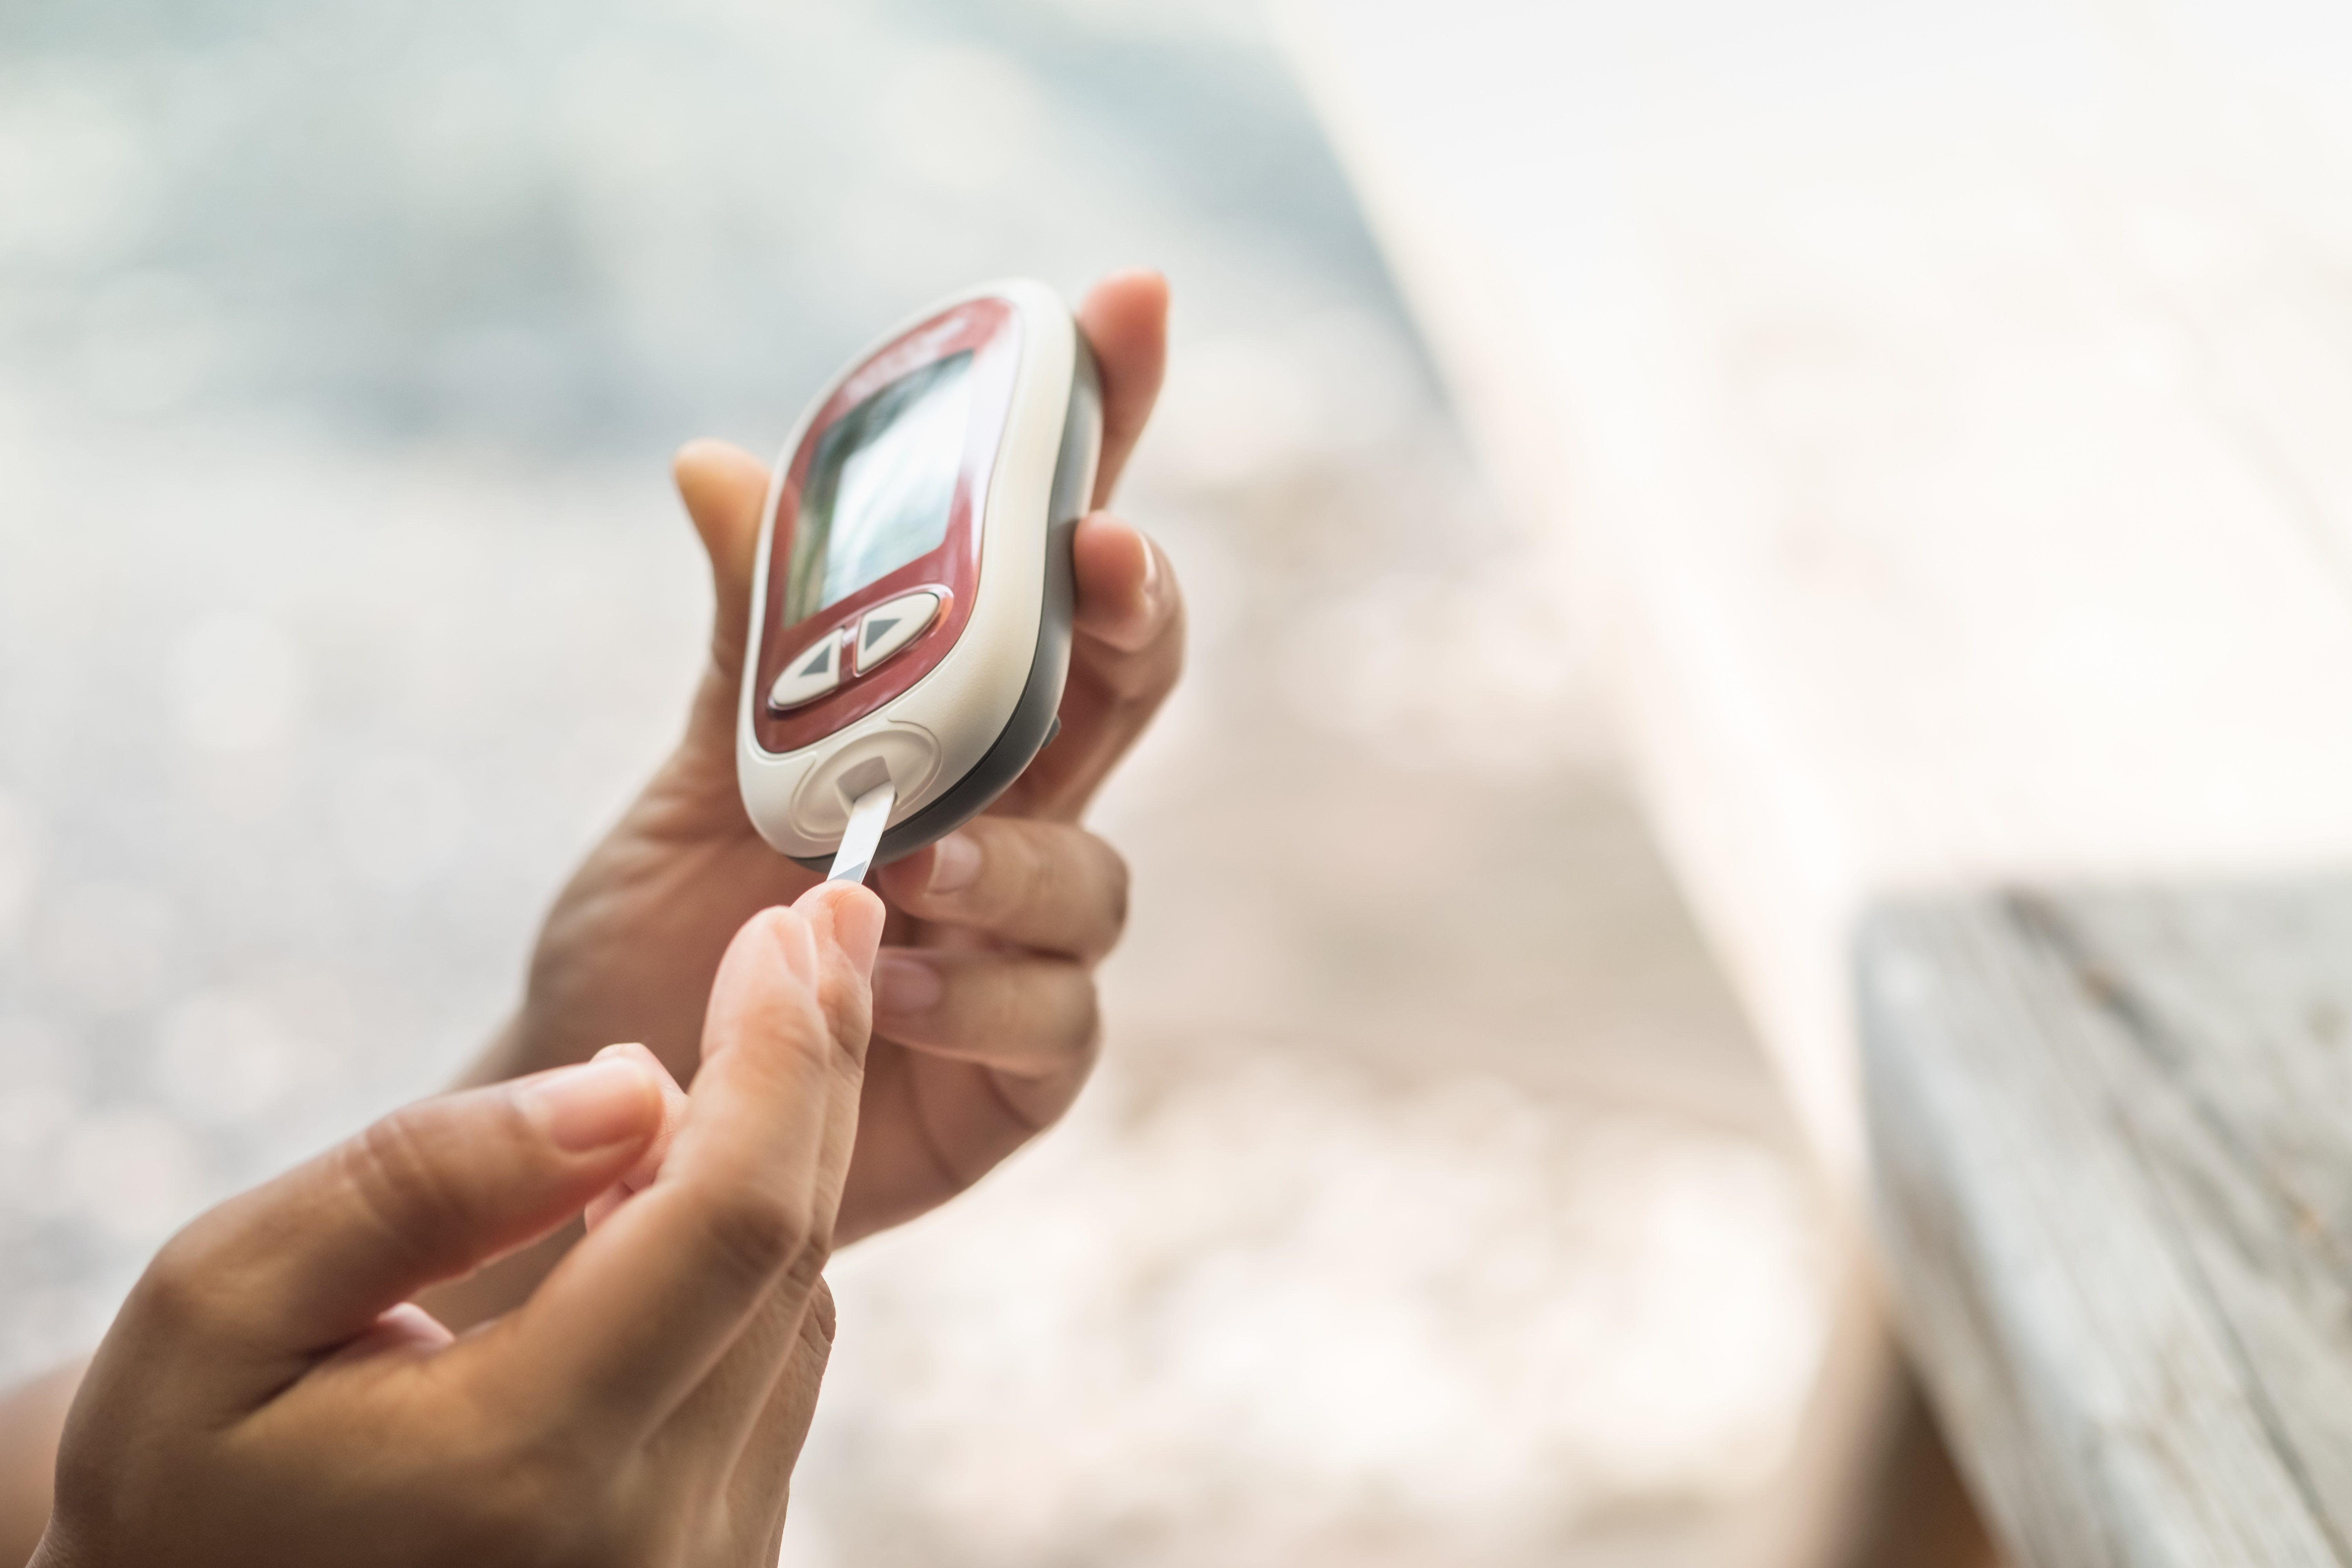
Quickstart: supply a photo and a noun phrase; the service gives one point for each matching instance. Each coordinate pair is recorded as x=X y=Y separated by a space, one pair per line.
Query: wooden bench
x=2114 y=1187
x=1944 y=415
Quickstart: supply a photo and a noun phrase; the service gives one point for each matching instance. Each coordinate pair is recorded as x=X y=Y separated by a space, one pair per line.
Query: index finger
x=1125 y=318
x=1127 y=650
x=635 y=1317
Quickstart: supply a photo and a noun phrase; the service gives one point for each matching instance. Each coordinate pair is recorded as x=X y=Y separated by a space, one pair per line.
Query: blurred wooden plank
x=1938 y=412
x=2116 y=1191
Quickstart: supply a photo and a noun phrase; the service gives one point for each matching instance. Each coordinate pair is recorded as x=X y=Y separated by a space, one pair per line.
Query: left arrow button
x=810 y=675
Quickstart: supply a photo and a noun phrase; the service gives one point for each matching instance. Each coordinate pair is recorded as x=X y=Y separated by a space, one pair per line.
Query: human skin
x=270 y=1393
x=984 y=1000
x=985 y=1021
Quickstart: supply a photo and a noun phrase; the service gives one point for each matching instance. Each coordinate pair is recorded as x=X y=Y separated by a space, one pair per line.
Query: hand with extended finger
x=270 y=1393
x=988 y=1007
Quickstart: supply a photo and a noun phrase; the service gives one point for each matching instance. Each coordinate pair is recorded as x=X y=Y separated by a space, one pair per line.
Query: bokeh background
x=1432 y=1205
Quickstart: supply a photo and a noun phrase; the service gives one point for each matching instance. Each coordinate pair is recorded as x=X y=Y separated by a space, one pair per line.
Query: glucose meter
x=911 y=610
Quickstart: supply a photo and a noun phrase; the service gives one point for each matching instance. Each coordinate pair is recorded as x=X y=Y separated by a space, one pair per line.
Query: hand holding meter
x=911 y=609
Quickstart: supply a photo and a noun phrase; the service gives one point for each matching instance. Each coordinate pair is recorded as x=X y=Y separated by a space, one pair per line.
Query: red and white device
x=910 y=613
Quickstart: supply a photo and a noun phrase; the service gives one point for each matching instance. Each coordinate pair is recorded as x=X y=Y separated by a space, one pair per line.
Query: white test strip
x=868 y=818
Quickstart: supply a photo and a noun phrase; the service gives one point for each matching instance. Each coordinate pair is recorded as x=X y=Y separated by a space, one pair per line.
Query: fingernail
x=855 y=916
x=955 y=863
x=792 y=940
x=592 y=1105
x=1151 y=583
x=906 y=985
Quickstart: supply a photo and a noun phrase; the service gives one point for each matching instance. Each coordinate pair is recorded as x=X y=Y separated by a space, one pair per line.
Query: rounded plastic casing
x=951 y=718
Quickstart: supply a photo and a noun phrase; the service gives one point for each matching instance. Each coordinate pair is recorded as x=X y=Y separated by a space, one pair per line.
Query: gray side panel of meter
x=1036 y=717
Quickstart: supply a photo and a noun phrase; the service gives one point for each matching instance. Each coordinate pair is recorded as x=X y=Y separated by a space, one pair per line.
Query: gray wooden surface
x=2113 y=1140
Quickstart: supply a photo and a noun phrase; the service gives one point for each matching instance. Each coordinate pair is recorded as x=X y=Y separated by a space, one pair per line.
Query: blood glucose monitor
x=910 y=613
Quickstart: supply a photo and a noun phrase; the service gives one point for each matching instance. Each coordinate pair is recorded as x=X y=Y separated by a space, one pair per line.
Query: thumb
x=430 y=1193
x=724 y=488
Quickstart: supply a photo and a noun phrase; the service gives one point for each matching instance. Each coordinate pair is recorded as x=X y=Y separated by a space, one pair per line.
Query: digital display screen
x=880 y=485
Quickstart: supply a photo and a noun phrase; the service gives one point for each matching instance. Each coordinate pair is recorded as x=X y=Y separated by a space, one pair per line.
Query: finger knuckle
x=817 y=1327
x=1064 y=1008
x=1003 y=884
x=1040 y=880
x=759 y=1236
x=176 y=1292
x=1116 y=880
x=1004 y=999
x=392 y=1170
x=1086 y=1024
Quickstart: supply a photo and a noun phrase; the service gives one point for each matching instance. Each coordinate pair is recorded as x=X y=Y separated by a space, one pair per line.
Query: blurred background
x=1432 y=1205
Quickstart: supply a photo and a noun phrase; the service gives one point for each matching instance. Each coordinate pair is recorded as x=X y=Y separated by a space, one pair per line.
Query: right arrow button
x=887 y=627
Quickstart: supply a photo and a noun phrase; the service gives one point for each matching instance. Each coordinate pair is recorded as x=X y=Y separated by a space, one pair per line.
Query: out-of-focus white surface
x=1940 y=408
x=1432 y=1205
x=1285 y=1307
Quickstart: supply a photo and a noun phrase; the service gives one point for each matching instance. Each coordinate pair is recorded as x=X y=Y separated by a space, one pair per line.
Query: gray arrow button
x=887 y=627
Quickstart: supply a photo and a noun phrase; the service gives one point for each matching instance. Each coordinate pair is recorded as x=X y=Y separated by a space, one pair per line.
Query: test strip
x=868 y=818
